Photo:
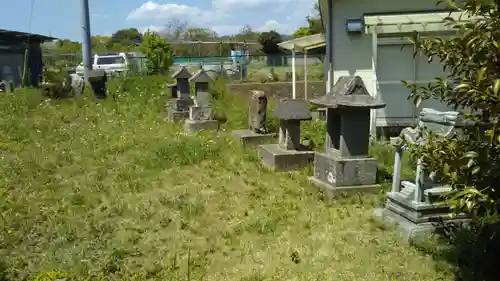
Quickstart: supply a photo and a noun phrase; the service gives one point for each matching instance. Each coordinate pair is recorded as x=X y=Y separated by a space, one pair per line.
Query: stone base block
x=331 y=191
x=176 y=116
x=341 y=171
x=281 y=160
x=249 y=138
x=192 y=126
x=421 y=212
x=409 y=230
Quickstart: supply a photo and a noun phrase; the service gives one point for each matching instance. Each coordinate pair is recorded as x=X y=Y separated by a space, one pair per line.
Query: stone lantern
x=289 y=153
x=345 y=165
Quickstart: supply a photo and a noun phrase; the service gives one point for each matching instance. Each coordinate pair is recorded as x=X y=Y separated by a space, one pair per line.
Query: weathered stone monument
x=200 y=113
x=178 y=108
x=346 y=166
x=416 y=205
x=289 y=153
x=257 y=116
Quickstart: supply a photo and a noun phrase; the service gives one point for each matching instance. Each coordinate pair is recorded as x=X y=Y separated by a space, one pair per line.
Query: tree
x=471 y=163
x=314 y=21
x=301 y=32
x=158 y=53
x=174 y=30
x=269 y=42
x=126 y=37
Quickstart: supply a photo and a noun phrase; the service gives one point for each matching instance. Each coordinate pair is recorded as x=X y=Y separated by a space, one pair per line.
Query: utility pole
x=96 y=78
x=86 y=42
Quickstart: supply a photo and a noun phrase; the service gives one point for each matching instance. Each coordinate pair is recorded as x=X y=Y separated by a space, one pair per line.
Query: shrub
x=470 y=163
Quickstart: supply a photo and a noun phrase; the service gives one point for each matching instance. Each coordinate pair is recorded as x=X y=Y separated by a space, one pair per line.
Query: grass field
x=109 y=191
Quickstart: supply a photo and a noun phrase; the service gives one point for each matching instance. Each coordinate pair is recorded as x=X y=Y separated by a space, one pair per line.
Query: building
x=369 y=38
x=14 y=47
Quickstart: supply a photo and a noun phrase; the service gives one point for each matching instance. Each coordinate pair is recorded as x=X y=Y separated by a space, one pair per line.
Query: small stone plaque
x=199 y=113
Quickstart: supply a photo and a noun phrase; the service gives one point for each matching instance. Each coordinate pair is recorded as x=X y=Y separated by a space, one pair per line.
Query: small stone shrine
x=257 y=115
x=173 y=90
x=200 y=113
x=289 y=153
x=346 y=166
x=178 y=108
x=416 y=205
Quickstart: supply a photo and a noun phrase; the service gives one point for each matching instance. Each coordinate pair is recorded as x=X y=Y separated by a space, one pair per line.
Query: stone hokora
x=346 y=166
x=200 y=114
x=289 y=153
x=178 y=108
x=257 y=112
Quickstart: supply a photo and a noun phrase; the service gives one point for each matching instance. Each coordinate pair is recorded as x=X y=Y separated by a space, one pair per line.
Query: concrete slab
x=192 y=126
x=281 y=160
x=249 y=138
x=408 y=230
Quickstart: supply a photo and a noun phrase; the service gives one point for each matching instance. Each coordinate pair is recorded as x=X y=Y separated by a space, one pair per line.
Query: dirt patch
x=278 y=90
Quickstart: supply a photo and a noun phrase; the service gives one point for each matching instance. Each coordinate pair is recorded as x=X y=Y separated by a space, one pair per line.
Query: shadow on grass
x=473 y=251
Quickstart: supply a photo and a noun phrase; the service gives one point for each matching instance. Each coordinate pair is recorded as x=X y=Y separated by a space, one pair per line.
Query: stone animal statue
x=257 y=112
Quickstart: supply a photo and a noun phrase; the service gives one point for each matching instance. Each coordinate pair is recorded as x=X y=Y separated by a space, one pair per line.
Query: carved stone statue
x=416 y=204
x=257 y=112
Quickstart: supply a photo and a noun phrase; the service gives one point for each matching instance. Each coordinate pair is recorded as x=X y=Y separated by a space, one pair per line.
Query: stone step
x=408 y=188
x=436 y=194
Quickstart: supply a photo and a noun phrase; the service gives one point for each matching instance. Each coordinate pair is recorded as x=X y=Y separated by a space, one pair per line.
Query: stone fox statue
x=257 y=112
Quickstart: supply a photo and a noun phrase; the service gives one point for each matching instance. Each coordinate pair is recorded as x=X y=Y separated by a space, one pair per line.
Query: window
x=110 y=60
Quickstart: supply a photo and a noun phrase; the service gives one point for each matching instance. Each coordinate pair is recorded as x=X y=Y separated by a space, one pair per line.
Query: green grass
x=108 y=190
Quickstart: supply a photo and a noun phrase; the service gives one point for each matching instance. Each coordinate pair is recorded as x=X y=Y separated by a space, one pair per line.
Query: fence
x=246 y=69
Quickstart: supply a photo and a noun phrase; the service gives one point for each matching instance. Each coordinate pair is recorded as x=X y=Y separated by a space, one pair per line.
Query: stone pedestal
x=346 y=167
x=337 y=175
x=179 y=109
x=289 y=153
x=416 y=206
x=200 y=119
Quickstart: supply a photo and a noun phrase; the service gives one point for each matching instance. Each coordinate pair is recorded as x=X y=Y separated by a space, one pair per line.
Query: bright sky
x=61 y=18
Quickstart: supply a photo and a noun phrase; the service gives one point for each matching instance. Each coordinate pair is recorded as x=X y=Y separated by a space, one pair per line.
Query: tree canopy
x=269 y=42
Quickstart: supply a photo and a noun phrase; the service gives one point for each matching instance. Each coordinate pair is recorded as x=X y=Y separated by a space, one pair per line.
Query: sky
x=61 y=18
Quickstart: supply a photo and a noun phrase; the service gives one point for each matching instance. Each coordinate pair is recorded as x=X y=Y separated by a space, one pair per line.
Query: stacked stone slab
x=289 y=153
x=178 y=108
x=200 y=113
x=417 y=205
x=257 y=114
x=346 y=166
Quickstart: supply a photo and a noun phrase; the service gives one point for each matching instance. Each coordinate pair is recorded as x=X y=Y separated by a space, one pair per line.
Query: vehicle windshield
x=110 y=60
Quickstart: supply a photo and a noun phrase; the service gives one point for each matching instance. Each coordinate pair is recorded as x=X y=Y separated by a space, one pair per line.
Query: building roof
x=181 y=73
x=305 y=43
x=349 y=91
x=292 y=109
x=200 y=76
x=16 y=36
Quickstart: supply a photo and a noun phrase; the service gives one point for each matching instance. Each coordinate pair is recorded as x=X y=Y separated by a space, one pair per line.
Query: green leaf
x=480 y=75
x=496 y=86
x=462 y=86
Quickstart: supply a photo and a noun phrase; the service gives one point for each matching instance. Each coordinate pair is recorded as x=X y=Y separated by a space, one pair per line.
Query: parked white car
x=111 y=63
